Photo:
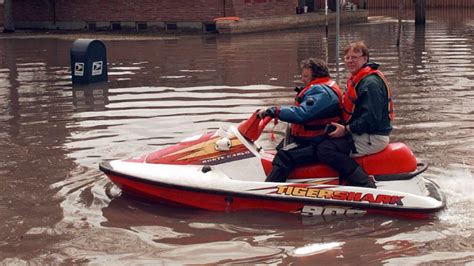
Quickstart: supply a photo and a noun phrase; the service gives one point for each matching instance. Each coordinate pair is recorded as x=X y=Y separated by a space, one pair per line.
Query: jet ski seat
x=394 y=159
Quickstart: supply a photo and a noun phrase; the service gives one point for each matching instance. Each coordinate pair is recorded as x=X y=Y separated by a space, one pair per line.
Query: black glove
x=268 y=112
x=298 y=89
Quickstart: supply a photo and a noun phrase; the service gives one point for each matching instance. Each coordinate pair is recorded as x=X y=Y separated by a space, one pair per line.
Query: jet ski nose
x=105 y=166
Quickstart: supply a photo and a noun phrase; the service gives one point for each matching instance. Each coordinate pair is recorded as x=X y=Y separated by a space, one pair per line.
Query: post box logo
x=79 y=69
x=97 y=68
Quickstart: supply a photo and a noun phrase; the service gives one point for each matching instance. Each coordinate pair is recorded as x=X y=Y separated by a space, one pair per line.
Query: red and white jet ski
x=225 y=171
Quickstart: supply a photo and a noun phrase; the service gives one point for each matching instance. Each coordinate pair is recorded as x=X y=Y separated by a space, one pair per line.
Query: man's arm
x=317 y=102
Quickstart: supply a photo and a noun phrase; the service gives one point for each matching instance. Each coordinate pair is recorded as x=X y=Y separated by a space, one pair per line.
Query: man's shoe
x=360 y=178
x=372 y=181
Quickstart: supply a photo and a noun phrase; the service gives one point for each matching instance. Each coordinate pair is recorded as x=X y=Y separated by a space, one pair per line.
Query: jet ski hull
x=306 y=199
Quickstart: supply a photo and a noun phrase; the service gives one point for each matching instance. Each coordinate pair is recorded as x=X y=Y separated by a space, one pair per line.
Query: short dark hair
x=318 y=67
x=360 y=47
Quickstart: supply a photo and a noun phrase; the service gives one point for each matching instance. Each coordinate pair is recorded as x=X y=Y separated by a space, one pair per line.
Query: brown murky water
x=56 y=207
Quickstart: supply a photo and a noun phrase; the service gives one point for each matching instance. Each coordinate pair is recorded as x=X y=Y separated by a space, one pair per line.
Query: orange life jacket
x=350 y=96
x=316 y=127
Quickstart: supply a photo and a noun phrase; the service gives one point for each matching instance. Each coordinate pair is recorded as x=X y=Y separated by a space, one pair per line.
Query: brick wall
x=429 y=3
x=1 y=15
x=264 y=8
x=32 y=10
x=148 y=10
x=117 y=10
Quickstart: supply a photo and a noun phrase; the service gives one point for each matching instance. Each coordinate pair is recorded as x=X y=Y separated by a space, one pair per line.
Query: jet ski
x=225 y=170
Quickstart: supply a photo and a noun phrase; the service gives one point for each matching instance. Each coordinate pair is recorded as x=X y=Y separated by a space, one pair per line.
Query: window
x=141 y=26
x=171 y=26
x=115 y=25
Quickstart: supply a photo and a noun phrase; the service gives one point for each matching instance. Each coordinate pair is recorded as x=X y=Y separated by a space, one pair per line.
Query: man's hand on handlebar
x=267 y=112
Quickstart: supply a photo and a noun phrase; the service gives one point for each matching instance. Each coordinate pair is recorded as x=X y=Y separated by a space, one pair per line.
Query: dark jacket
x=371 y=112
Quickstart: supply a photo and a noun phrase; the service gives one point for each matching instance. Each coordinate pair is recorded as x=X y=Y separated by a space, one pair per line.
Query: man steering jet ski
x=316 y=105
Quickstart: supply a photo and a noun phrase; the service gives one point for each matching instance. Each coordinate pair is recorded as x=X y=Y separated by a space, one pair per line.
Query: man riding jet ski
x=316 y=105
x=367 y=112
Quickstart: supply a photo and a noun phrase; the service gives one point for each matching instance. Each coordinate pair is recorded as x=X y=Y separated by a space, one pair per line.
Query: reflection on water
x=57 y=207
x=90 y=98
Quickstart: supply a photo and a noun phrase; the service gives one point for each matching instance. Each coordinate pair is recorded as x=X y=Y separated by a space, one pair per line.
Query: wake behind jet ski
x=225 y=170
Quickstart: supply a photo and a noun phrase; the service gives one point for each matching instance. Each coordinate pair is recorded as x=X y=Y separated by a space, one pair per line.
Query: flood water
x=57 y=207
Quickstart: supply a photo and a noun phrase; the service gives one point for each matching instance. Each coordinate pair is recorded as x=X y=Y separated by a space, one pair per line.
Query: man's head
x=355 y=56
x=313 y=68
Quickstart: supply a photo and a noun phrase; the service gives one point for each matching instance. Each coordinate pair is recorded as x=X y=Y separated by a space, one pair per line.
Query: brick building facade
x=410 y=4
x=173 y=14
x=161 y=14
x=1 y=14
x=66 y=14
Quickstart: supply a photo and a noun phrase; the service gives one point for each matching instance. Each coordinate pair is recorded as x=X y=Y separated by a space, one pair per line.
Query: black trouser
x=287 y=158
x=335 y=153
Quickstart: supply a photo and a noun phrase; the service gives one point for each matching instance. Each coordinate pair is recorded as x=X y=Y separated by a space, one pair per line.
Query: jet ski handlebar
x=253 y=127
